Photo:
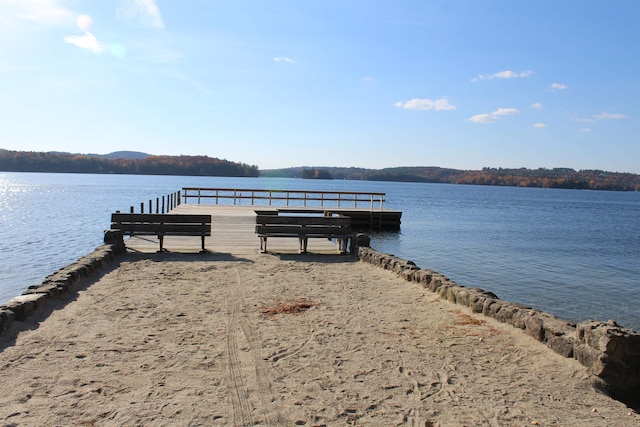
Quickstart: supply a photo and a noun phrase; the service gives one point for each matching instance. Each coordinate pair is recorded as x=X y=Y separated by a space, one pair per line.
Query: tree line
x=28 y=161
x=539 y=178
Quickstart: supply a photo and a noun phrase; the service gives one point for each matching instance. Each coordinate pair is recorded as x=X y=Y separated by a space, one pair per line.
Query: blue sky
x=365 y=83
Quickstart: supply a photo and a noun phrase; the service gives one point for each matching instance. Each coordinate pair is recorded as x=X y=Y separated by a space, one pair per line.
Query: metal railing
x=164 y=204
x=288 y=198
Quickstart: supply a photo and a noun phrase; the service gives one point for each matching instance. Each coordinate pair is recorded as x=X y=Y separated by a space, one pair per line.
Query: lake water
x=575 y=254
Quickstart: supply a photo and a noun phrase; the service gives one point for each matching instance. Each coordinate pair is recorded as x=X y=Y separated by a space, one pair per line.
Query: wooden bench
x=304 y=227
x=132 y=224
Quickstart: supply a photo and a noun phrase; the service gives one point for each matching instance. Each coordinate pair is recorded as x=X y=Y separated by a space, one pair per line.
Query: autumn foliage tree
x=22 y=161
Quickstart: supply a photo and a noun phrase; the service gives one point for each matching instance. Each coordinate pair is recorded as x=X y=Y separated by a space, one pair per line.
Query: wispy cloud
x=88 y=41
x=610 y=116
x=47 y=12
x=283 y=59
x=142 y=12
x=505 y=111
x=557 y=86
x=200 y=87
x=368 y=79
x=493 y=117
x=585 y=130
x=506 y=74
x=537 y=105
x=601 y=116
x=483 y=118
x=539 y=125
x=441 y=104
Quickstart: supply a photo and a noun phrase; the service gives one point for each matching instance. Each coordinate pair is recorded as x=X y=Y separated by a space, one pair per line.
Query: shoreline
x=590 y=343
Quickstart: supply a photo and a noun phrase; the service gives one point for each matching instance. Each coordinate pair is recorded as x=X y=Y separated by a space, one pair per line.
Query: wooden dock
x=232 y=232
x=233 y=213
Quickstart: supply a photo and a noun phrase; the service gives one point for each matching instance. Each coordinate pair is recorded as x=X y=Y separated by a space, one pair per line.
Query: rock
x=362 y=240
x=24 y=305
x=611 y=352
x=6 y=319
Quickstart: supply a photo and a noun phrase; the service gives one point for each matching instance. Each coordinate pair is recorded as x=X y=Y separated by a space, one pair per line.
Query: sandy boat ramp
x=282 y=340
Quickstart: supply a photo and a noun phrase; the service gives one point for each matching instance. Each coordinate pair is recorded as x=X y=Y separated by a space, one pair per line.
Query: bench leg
x=203 y=249
x=263 y=245
x=161 y=239
x=342 y=246
x=303 y=244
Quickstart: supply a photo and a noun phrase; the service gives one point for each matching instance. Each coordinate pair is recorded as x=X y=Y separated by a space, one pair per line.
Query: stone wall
x=62 y=281
x=608 y=350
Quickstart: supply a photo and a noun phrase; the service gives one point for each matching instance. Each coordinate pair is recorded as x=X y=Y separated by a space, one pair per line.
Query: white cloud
x=586 y=130
x=283 y=59
x=142 y=12
x=537 y=105
x=539 y=125
x=484 y=118
x=558 y=86
x=368 y=79
x=48 y=12
x=88 y=41
x=505 y=112
x=610 y=116
x=441 y=104
x=493 y=117
x=506 y=74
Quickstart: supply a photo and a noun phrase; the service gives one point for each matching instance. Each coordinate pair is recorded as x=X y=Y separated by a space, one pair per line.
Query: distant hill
x=125 y=155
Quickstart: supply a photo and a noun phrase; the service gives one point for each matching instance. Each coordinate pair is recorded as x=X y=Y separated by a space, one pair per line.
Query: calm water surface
x=572 y=253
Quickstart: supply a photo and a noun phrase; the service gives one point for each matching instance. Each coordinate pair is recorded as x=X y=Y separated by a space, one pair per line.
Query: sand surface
x=206 y=340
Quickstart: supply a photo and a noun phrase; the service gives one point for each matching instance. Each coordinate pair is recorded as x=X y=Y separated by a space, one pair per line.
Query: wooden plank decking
x=232 y=232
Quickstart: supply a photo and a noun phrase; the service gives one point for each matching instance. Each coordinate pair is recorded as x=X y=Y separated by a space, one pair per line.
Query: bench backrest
x=309 y=221
x=161 y=223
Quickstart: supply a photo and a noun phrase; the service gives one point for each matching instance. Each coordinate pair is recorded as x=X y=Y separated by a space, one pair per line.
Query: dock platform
x=233 y=213
x=232 y=232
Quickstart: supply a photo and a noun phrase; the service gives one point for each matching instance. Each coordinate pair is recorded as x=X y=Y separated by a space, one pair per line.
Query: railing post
x=141 y=207
x=131 y=209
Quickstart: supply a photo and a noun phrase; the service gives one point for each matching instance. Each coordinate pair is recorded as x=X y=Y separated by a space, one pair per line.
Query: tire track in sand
x=242 y=413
